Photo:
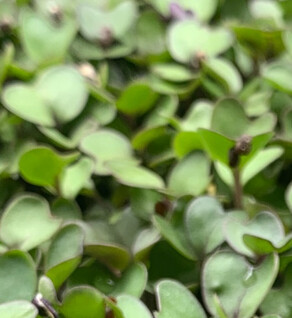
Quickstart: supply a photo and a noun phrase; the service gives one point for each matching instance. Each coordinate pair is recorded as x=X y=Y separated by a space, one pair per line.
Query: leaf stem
x=237 y=188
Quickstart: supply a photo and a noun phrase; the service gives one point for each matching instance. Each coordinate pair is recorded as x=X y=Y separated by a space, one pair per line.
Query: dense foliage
x=145 y=158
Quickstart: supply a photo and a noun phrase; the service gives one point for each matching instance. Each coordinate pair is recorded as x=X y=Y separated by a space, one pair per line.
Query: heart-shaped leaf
x=18 y=278
x=83 y=301
x=265 y=225
x=18 y=309
x=185 y=304
x=204 y=223
x=239 y=286
x=106 y=145
x=27 y=222
x=95 y=23
x=63 y=90
x=43 y=41
x=209 y=42
x=46 y=102
x=201 y=9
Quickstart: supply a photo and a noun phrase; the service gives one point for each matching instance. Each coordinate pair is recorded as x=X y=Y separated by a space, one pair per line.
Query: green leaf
x=278 y=299
x=190 y=176
x=146 y=136
x=27 y=222
x=264 y=10
x=144 y=242
x=204 y=224
x=94 y=22
x=287 y=126
x=133 y=307
x=18 y=278
x=25 y=102
x=134 y=176
x=225 y=72
x=202 y=9
x=165 y=109
x=106 y=145
x=18 y=309
x=198 y=116
x=46 y=101
x=6 y=59
x=185 y=142
x=229 y=118
x=265 y=225
x=174 y=233
x=136 y=99
x=66 y=210
x=278 y=74
x=150 y=33
x=59 y=87
x=132 y=282
x=261 y=246
x=259 y=41
x=47 y=289
x=173 y=72
x=209 y=42
x=216 y=145
x=112 y=255
x=42 y=166
x=239 y=286
x=263 y=124
x=288 y=196
x=75 y=177
x=255 y=165
x=64 y=254
x=43 y=41
x=83 y=301
x=265 y=276
x=175 y=301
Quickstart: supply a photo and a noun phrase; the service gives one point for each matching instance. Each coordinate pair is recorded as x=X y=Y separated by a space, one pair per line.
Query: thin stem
x=237 y=188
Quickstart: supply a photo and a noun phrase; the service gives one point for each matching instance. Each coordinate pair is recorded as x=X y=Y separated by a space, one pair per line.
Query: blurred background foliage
x=124 y=190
